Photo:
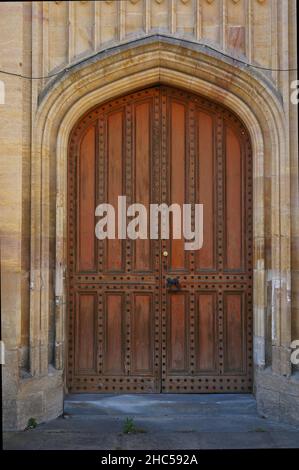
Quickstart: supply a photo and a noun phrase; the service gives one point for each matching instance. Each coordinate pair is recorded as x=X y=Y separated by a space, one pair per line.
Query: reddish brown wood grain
x=86 y=199
x=142 y=178
x=115 y=178
x=206 y=333
x=233 y=207
x=234 y=333
x=86 y=327
x=113 y=334
x=177 y=175
x=142 y=334
x=205 y=258
x=178 y=328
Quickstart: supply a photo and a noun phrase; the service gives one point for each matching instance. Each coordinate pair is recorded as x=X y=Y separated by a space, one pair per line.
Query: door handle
x=173 y=283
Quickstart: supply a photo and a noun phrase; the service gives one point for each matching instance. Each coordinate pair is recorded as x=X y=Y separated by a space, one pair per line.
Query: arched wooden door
x=127 y=331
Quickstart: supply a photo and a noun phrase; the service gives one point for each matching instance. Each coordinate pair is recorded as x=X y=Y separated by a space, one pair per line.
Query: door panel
x=206 y=332
x=86 y=199
x=128 y=329
x=177 y=177
x=177 y=347
x=142 y=180
x=142 y=334
x=234 y=328
x=233 y=202
x=85 y=333
x=114 y=334
x=115 y=176
x=205 y=258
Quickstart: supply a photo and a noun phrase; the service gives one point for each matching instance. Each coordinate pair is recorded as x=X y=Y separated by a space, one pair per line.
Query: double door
x=147 y=315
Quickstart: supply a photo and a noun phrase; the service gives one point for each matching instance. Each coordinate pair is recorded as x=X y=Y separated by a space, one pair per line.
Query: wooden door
x=128 y=331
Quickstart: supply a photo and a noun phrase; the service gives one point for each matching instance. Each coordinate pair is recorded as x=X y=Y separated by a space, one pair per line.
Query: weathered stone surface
x=268 y=403
x=168 y=421
x=10 y=415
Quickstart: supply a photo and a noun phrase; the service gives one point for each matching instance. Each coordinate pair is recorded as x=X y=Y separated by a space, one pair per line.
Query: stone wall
x=73 y=30
x=99 y=44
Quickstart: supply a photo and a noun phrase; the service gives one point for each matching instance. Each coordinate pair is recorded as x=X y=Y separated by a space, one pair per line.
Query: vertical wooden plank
x=115 y=184
x=177 y=328
x=86 y=328
x=142 y=347
x=206 y=333
x=205 y=257
x=234 y=332
x=86 y=200
x=177 y=177
x=142 y=180
x=233 y=209
x=113 y=337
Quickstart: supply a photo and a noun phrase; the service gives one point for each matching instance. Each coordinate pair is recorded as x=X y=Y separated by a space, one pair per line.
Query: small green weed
x=259 y=430
x=31 y=424
x=131 y=428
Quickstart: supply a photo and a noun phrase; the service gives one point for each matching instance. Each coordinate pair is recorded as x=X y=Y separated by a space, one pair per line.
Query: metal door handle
x=173 y=283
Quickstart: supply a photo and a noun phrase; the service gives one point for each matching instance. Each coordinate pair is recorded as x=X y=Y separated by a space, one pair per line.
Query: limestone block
x=32 y=406
x=268 y=402
x=289 y=407
x=10 y=414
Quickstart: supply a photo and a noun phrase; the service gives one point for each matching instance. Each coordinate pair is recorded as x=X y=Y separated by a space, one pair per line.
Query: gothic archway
x=250 y=95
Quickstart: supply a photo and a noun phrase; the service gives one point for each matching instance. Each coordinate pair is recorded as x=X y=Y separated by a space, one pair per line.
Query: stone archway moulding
x=249 y=94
